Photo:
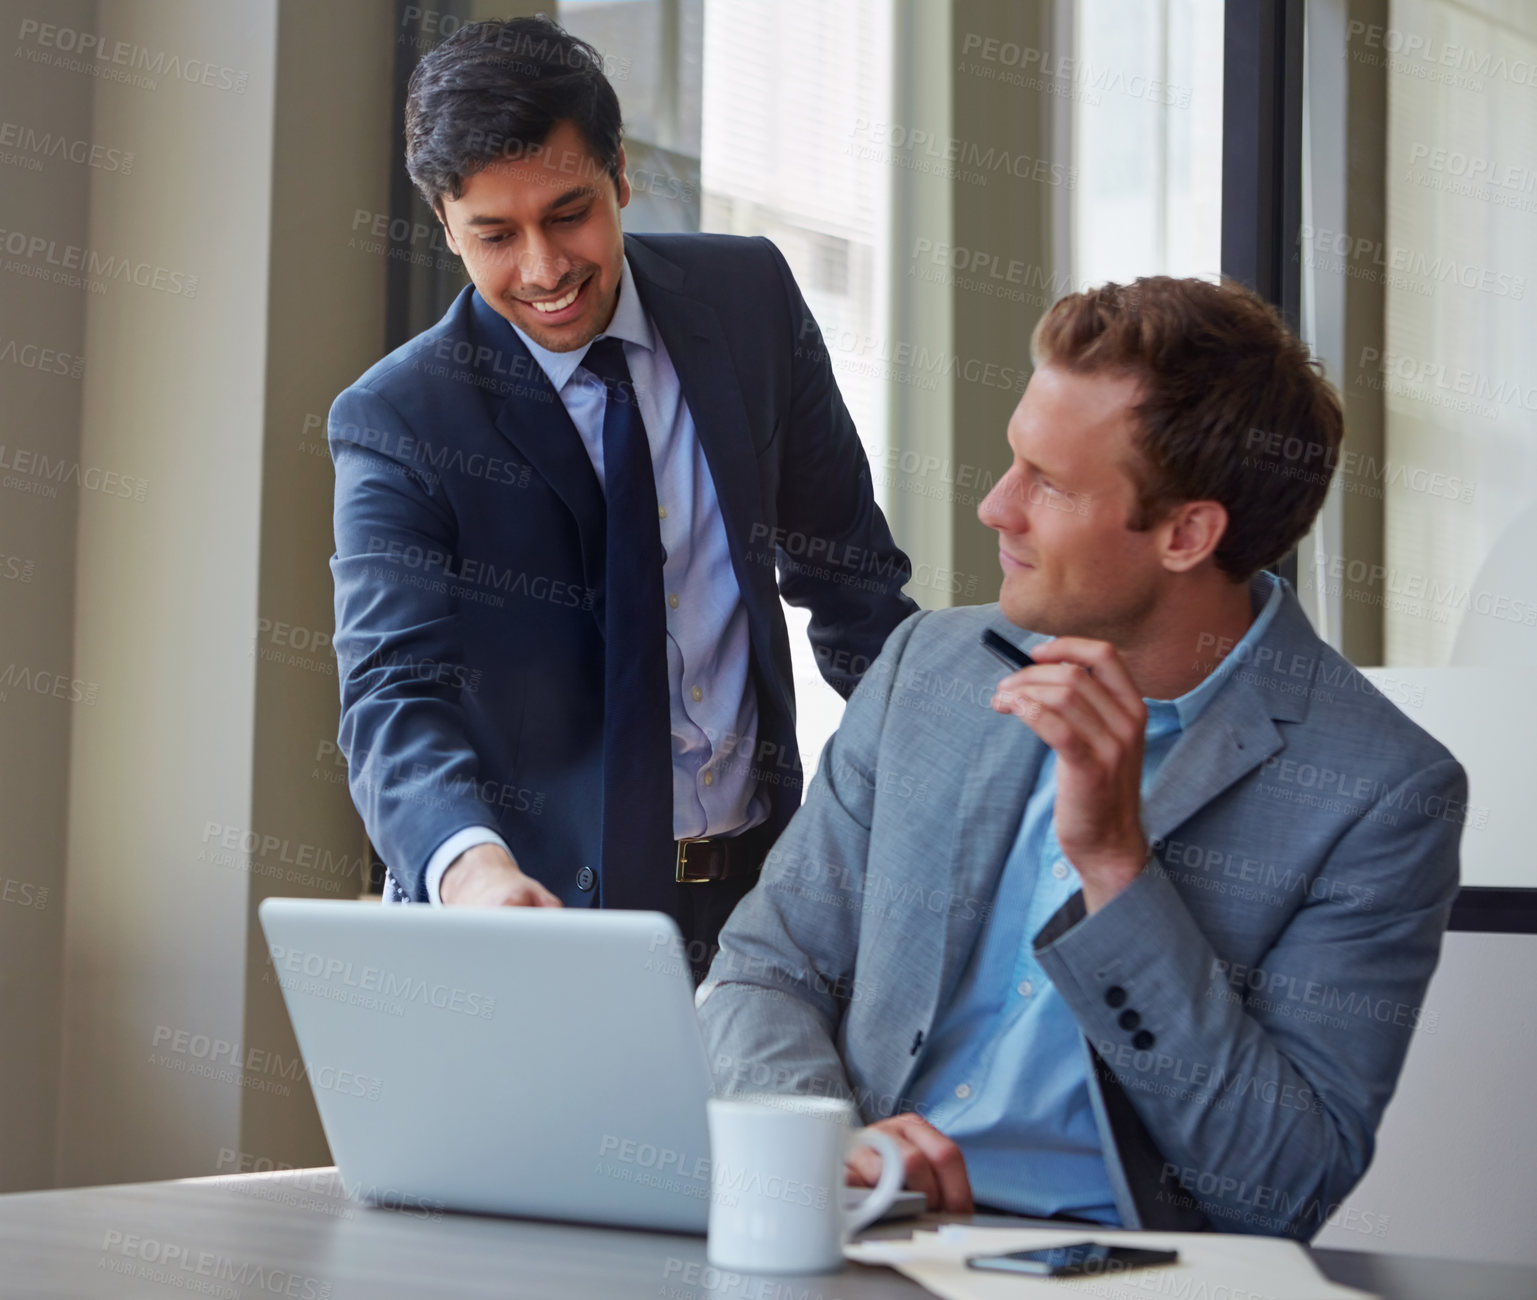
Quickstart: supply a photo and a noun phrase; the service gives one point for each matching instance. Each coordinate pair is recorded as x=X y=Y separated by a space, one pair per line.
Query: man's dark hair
x=1232 y=407
x=497 y=89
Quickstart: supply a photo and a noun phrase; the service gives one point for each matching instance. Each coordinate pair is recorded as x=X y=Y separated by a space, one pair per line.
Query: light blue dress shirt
x=1004 y=1074
x=714 y=706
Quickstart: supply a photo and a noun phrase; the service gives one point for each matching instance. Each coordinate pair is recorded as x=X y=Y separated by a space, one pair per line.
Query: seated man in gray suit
x=1138 y=934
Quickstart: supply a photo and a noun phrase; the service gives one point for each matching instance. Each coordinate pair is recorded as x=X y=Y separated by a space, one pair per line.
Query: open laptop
x=529 y=1061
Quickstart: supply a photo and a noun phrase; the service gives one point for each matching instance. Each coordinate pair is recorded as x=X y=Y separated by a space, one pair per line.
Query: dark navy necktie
x=637 y=869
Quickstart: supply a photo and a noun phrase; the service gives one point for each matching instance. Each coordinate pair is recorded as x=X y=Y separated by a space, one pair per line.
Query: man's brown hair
x=1232 y=407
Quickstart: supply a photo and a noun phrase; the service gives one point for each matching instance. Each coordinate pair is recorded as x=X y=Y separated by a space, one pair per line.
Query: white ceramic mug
x=776 y=1182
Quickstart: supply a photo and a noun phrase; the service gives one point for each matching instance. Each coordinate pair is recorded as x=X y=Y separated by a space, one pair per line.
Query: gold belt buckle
x=683 y=876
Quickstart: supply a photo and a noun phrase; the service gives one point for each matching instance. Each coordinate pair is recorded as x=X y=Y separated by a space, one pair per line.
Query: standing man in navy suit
x=565 y=673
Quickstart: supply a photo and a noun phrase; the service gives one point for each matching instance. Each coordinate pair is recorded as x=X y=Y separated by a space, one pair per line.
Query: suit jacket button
x=585 y=879
x=1115 y=995
x=1143 y=1040
x=1129 y=1019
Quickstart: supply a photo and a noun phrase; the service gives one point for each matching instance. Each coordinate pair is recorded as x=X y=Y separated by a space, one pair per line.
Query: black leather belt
x=701 y=861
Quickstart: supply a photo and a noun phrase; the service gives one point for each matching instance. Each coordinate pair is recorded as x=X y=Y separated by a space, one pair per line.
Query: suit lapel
x=994 y=787
x=1235 y=735
x=1004 y=766
x=1232 y=738
x=534 y=420
x=696 y=345
x=1237 y=732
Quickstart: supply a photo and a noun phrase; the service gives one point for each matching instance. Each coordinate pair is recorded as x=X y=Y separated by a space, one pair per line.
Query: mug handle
x=885 y=1190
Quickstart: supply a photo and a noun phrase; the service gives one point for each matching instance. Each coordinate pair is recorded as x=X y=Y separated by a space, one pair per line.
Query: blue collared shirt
x=1004 y=1073
x=714 y=707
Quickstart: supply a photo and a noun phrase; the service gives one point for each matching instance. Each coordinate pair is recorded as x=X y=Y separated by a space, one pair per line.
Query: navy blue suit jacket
x=470 y=553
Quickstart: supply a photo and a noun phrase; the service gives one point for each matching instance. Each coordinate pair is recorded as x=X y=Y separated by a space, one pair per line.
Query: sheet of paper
x=1212 y=1266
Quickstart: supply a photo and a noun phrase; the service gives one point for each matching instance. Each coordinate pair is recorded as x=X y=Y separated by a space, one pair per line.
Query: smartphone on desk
x=1081 y=1259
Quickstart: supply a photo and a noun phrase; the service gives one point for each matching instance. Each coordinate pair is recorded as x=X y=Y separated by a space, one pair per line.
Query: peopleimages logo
x=946 y=155
x=1437 y=268
x=1065 y=69
x=202 y=1272
x=1429 y=379
x=1416 y=48
x=386 y=983
x=37 y=473
x=1475 y=168
x=914 y=363
x=255 y=1068
x=89 y=268
x=727 y=1181
x=100 y=56
x=46 y=144
x=1447 y=593
x=48 y=361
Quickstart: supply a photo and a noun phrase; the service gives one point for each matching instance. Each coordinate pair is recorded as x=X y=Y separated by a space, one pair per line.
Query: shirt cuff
x=451 y=848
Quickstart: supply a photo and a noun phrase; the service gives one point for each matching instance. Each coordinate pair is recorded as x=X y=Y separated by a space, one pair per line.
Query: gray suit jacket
x=1275 y=952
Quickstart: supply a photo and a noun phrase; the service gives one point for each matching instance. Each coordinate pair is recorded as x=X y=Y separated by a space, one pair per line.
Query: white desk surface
x=295 y=1234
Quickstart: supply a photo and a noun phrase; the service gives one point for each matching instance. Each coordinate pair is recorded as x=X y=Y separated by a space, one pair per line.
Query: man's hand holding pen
x=1079 y=698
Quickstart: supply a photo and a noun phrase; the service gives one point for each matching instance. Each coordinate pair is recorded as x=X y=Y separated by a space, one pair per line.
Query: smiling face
x=541 y=241
x=1071 y=566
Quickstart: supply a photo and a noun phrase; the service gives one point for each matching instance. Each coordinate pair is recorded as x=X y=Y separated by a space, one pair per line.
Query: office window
x=786 y=86
x=1146 y=108
x=1458 y=371
x=1418 y=263
x=785 y=82
x=652 y=57
x=1421 y=238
